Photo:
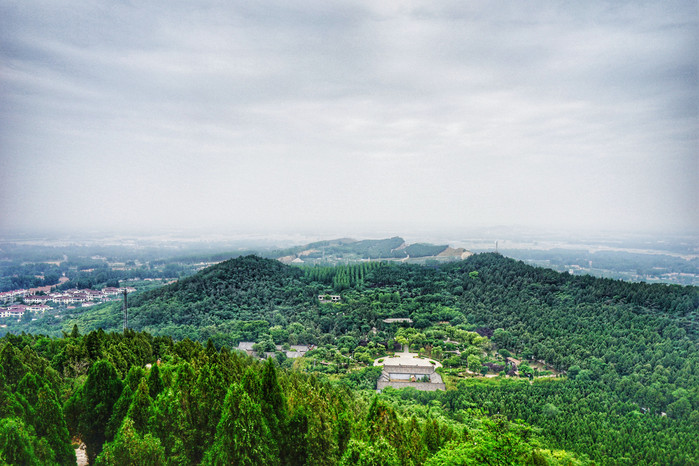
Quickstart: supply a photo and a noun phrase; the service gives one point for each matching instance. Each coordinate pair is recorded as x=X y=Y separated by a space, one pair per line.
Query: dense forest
x=137 y=399
x=607 y=369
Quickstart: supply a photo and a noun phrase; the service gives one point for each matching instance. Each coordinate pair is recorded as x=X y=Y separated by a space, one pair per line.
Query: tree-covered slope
x=630 y=350
x=135 y=399
x=247 y=288
x=345 y=250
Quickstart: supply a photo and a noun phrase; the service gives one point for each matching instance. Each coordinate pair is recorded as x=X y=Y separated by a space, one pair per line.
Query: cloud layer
x=271 y=115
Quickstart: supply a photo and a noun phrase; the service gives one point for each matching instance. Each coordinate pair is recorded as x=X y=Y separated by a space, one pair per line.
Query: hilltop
x=350 y=250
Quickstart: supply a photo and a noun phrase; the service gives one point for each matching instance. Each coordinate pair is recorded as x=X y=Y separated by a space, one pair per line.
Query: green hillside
x=604 y=368
x=344 y=250
x=424 y=249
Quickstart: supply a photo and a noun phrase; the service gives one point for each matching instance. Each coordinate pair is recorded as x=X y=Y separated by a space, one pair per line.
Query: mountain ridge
x=351 y=250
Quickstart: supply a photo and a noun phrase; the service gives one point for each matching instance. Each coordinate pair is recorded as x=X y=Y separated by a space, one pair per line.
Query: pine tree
x=186 y=446
x=12 y=366
x=29 y=387
x=242 y=436
x=251 y=383
x=121 y=409
x=141 y=408
x=96 y=399
x=130 y=448
x=273 y=405
x=15 y=443
x=383 y=422
x=430 y=436
x=155 y=383
x=93 y=343
x=415 y=447
x=344 y=432
x=295 y=447
x=51 y=425
x=209 y=394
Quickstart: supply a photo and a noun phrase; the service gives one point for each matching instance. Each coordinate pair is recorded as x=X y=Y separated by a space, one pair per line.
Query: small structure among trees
x=329 y=298
x=403 y=373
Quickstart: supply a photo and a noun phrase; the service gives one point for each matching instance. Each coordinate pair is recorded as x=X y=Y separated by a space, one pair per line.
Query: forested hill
x=627 y=353
x=600 y=326
x=348 y=250
x=554 y=316
x=244 y=284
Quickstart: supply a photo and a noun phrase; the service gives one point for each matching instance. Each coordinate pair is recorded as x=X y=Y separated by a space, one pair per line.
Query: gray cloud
x=251 y=115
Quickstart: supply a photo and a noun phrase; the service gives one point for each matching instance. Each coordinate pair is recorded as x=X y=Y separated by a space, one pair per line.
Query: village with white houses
x=18 y=302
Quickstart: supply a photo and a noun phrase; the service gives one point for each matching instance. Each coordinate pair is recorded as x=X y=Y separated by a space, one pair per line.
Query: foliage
x=630 y=352
x=130 y=448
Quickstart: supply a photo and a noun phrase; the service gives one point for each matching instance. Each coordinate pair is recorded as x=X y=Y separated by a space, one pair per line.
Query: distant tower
x=496 y=246
x=126 y=313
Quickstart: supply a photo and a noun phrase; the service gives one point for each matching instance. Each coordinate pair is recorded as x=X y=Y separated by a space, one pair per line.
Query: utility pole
x=126 y=312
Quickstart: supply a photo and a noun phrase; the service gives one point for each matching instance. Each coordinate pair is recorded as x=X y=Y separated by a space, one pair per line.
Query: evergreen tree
x=131 y=448
x=93 y=343
x=344 y=432
x=121 y=409
x=12 y=366
x=273 y=401
x=430 y=437
x=415 y=446
x=51 y=426
x=155 y=383
x=96 y=399
x=251 y=383
x=295 y=446
x=242 y=436
x=141 y=408
x=383 y=422
x=274 y=409
x=28 y=388
x=134 y=376
x=377 y=453
x=9 y=406
x=187 y=446
x=16 y=444
x=209 y=394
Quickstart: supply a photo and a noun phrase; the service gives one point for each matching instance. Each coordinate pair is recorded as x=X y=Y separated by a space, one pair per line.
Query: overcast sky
x=348 y=116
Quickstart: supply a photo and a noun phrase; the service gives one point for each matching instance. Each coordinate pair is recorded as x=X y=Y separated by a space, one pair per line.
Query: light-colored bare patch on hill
x=455 y=252
x=286 y=259
x=307 y=252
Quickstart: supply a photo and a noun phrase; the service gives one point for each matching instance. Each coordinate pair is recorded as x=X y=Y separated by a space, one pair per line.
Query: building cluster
x=41 y=303
x=12 y=296
x=405 y=370
x=18 y=310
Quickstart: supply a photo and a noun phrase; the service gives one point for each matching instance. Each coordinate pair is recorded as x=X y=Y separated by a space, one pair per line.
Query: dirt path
x=80 y=455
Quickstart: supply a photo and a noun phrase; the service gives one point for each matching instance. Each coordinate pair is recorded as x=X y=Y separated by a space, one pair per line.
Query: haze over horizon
x=353 y=117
